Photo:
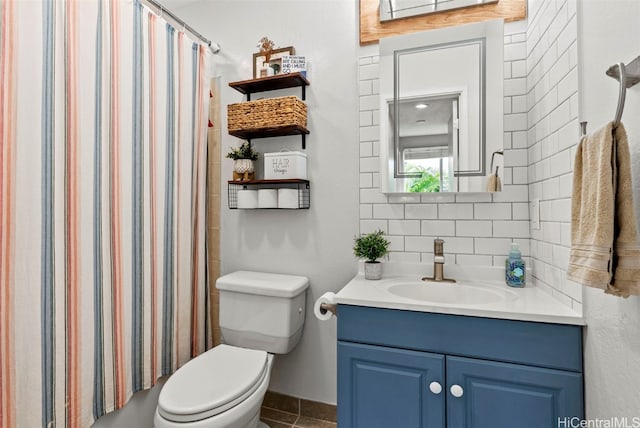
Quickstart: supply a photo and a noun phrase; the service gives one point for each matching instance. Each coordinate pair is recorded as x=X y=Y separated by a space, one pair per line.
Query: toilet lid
x=212 y=383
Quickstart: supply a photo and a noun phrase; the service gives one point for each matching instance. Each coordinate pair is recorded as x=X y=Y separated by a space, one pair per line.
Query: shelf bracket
x=304 y=141
x=248 y=96
x=304 y=92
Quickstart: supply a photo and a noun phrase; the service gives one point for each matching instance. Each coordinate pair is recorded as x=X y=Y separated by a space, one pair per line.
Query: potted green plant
x=371 y=246
x=244 y=158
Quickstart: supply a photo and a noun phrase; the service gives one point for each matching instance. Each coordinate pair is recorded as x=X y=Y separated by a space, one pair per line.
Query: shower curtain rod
x=215 y=47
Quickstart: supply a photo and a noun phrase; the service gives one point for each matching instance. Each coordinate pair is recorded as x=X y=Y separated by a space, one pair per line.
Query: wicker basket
x=267 y=113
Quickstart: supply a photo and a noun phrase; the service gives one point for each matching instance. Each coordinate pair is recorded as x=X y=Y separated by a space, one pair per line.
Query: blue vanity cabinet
x=389 y=387
x=492 y=373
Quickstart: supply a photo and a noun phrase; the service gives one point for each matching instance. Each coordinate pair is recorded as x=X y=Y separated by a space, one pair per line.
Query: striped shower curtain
x=102 y=186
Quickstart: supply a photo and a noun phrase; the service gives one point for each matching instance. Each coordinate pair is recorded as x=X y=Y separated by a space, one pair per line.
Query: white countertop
x=530 y=303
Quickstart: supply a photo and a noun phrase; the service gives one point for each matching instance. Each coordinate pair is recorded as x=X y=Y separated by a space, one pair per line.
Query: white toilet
x=261 y=314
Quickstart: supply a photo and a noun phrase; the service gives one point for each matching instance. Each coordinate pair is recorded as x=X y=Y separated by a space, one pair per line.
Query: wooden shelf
x=249 y=134
x=273 y=181
x=281 y=81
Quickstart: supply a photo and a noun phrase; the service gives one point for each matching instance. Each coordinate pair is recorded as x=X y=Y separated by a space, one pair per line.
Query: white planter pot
x=243 y=165
x=372 y=270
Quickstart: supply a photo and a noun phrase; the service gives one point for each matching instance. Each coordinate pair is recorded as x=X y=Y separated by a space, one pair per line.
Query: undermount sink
x=451 y=293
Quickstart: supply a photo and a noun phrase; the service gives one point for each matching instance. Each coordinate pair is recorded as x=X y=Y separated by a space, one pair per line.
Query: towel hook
x=493 y=155
x=623 y=93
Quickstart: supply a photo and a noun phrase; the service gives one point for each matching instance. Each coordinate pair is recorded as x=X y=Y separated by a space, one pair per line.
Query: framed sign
x=275 y=60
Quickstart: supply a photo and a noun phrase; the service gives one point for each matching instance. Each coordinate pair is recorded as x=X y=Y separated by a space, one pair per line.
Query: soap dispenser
x=515 y=269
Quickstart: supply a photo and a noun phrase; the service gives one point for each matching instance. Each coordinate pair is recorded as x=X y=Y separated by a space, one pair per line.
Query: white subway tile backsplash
x=369 y=71
x=565 y=185
x=370 y=164
x=519 y=140
x=438 y=227
x=495 y=211
x=396 y=243
x=366 y=118
x=473 y=197
x=431 y=198
x=519 y=175
x=404 y=227
x=376 y=180
x=507 y=105
x=560 y=163
x=515 y=157
x=364 y=88
x=376 y=148
x=515 y=87
x=368 y=226
x=515 y=51
x=369 y=133
x=404 y=257
x=455 y=211
x=507 y=70
x=376 y=87
x=515 y=122
x=512 y=193
x=366 y=149
x=369 y=102
x=506 y=140
x=421 y=211
x=372 y=196
x=395 y=211
x=474 y=228
x=366 y=180
x=511 y=228
x=493 y=246
x=366 y=211
x=418 y=243
x=404 y=199
x=456 y=245
x=474 y=260
x=519 y=68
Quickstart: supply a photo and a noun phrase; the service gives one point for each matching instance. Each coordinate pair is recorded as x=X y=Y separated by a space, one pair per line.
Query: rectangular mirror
x=396 y=9
x=446 y=87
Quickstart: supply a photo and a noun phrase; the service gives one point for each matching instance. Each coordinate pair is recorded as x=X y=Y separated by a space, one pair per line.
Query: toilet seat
x=212 y=383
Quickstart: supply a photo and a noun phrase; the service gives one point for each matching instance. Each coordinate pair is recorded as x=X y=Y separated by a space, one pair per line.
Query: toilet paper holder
x=329 y=307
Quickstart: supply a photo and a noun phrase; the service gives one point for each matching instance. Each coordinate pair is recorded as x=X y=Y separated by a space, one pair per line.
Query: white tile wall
x=541 y=133
x=477 y=228
x=552 y=91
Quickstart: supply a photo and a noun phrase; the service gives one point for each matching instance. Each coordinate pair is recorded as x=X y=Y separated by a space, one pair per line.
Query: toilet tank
x=261 y=310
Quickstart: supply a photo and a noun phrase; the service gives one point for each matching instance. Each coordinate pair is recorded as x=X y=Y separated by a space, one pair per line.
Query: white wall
x=553 y=132
x=316 y=242
x=609 y=32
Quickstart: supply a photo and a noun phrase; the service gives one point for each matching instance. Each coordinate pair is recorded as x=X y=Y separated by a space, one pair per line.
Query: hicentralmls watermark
x=615 y=422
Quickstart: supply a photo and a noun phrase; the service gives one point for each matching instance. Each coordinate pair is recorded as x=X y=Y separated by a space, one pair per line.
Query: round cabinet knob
x=435 y=387
x=457 y=391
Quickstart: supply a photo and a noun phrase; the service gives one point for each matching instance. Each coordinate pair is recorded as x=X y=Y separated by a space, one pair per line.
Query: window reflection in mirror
x=426 y=139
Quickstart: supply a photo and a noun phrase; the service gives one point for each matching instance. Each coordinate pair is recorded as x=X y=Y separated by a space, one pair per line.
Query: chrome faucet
x=438 y=263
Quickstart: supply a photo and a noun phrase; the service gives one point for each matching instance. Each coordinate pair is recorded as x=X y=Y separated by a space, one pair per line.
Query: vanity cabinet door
x=501 y=395
x=381 y=387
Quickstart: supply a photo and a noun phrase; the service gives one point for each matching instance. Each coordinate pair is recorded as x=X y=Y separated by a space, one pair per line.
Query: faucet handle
x=438 y=247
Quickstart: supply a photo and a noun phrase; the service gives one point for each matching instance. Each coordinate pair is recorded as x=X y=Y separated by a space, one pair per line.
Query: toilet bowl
x=260 y=314
x=228 y=394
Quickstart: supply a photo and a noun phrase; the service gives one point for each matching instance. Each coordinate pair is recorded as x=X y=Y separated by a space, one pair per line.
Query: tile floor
x=283 y=411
